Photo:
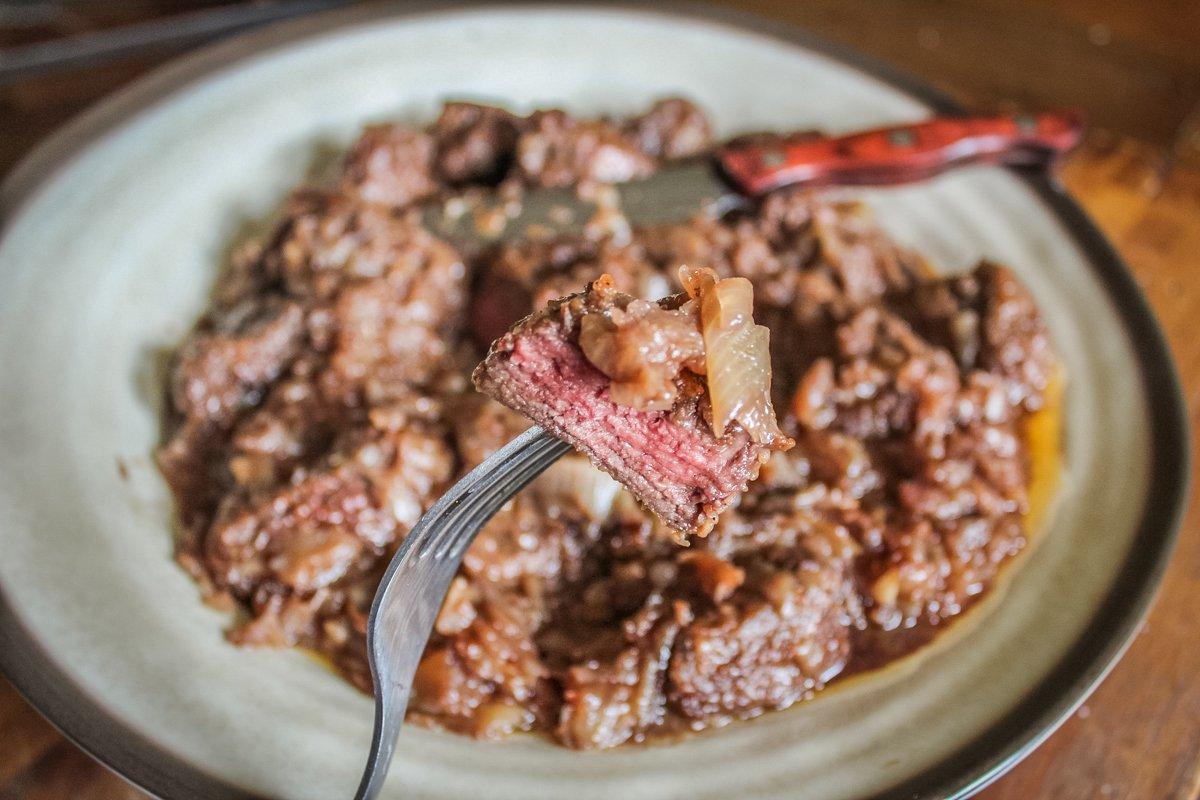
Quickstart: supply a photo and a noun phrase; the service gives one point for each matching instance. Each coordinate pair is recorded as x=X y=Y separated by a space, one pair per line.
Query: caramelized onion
x=642 y=348
x=737 y=356
x=646 y=348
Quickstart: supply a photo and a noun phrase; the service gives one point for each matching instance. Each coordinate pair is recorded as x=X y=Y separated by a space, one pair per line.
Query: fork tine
x=482 y=501
x=411 y=591
x=487 y=481
x=484 y=505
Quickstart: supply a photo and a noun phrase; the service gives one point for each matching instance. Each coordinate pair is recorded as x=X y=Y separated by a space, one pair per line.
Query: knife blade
x=740 y=171
x=674 y=193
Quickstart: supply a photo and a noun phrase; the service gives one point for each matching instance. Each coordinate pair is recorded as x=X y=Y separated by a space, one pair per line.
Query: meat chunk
x=523 y=542
x=889 y=381
x=328 y=239
x=606 y=703
x=391 y=165
x=775 y=641
x=485 y=678
x=192 y=463
x=308 y=546
x=332 y=521
x=1015 y=343
x=474 y=143
x=385 y=337
x=664 y=451
x=856 y=255
x=672 y=128
x=560 y=150
x=383 y=295
x=988 y=319
x=295 y=423
x=931 y=570
x=224 y=368
x=225 y=365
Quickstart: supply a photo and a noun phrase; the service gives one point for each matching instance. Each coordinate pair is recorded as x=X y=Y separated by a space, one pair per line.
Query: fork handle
x=902 y=153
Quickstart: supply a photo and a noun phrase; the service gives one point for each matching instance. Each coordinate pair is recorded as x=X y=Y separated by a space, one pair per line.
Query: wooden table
x=1136 y=69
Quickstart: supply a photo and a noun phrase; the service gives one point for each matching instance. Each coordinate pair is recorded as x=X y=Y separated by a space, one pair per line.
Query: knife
x=742 y=170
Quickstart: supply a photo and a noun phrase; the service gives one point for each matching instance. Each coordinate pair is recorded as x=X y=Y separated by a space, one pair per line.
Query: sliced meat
x=668 y=457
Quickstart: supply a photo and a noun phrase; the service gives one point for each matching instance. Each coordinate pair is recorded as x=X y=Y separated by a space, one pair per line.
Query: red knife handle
x=900 y=154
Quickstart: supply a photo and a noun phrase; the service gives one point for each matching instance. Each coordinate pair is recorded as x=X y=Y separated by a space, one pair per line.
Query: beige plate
x=113 y=232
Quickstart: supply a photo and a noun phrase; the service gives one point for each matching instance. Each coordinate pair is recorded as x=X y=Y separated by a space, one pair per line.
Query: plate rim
x=82 y=717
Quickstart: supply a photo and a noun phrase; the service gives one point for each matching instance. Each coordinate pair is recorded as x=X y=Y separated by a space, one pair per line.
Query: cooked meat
x=325 y=401
x=610 y=374
x=755 y=653
x=643 y=348
x=475 y=143
x=988 y=320
x=610 y=702
x=391 y=165
x=309 y=531
x=232 y=356
x=559 y=150
x=672 y=128
x=487 y=680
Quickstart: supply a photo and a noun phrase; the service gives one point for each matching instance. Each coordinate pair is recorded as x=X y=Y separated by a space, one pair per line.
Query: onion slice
x=573 y=482
x=737 y=356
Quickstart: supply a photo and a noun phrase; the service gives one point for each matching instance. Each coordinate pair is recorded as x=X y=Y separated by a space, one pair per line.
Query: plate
x=113 y=231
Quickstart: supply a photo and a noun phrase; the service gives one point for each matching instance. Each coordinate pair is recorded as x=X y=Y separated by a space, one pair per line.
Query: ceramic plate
x=113 y=232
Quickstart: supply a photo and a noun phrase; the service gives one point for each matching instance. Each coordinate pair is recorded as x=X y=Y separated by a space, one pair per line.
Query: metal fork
x=411 y=592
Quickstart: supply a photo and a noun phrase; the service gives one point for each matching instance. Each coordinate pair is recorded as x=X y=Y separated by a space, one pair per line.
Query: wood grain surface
x=1135 y=68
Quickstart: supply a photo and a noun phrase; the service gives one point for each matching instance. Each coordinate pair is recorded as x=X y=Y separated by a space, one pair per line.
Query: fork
x=411 y=592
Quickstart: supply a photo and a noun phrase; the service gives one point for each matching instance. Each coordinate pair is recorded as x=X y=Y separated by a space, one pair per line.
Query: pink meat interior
x=674 y=466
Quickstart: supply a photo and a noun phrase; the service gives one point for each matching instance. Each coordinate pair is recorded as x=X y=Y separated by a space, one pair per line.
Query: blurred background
x=1132 y=65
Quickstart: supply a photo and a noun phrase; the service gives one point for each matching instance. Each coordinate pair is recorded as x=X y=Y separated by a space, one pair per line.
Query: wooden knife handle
x=900 y=154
